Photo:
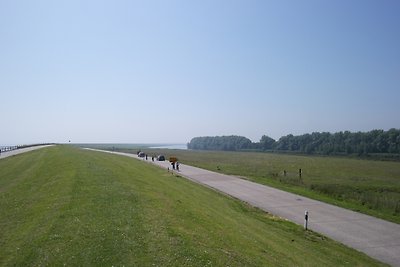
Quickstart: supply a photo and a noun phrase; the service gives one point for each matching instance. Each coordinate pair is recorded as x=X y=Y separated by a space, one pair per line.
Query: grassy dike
x=65 y=206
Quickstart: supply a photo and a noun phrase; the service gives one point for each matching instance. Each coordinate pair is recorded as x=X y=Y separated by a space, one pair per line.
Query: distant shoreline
x=133 y=146
x=172 y=146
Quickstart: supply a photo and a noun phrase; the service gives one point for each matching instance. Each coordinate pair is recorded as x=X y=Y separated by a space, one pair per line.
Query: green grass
x=371 y=187
x=62 y=206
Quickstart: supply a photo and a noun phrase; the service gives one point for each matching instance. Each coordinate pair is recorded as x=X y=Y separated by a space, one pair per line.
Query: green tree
x=266 y=142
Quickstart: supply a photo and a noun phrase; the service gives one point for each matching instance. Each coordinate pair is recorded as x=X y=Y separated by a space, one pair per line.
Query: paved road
x=19 y=151
x=375 y=237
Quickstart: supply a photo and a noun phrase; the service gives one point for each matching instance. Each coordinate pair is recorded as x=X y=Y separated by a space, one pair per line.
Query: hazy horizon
x=168 y=71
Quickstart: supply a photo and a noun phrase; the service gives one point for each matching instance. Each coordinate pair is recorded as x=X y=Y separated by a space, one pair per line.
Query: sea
x=173 y=146
x=155 y=146
x=132 y=146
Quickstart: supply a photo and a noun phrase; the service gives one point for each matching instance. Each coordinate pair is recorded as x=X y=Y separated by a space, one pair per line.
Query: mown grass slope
x=65 y=206
x=368 y=186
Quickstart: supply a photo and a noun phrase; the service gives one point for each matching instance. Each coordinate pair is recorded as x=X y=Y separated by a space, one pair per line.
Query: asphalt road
x=377 y=238
x=19 y=151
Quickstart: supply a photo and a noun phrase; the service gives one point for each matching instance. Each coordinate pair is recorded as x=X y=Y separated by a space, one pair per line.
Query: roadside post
x=306 y=220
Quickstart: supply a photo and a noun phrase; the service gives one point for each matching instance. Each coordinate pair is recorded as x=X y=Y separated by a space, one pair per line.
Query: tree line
x=226 y=143
x=325 y=143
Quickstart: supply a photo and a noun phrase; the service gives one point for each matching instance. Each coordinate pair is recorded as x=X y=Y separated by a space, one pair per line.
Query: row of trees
x=230 y=143
x=361 y=143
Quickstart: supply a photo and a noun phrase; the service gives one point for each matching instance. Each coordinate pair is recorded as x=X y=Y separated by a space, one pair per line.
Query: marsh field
x=64 y=206
x=368 y=186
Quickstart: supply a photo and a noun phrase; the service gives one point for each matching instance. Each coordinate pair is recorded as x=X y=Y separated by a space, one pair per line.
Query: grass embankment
x=371 y=187
x=64 y=206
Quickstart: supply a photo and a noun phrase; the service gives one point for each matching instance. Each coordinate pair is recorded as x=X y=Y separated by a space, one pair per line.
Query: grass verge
x=65 y=206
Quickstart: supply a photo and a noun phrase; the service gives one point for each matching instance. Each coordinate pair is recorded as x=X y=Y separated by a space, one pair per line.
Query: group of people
x=173 y=160
x=175 y=165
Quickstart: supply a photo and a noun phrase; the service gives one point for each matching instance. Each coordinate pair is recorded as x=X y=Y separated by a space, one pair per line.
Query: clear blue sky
x=167 y=71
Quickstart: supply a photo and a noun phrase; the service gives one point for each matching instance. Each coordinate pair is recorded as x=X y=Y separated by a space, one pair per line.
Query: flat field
x=368 y=186
x=62 y=206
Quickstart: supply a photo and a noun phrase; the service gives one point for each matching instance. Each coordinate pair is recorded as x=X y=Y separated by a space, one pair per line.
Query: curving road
x=377 y=238
x=19 y=151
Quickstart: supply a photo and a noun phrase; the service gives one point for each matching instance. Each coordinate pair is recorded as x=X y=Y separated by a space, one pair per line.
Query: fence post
x=306 y=220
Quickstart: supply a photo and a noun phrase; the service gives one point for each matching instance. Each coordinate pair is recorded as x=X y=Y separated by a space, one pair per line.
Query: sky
x=167 y=71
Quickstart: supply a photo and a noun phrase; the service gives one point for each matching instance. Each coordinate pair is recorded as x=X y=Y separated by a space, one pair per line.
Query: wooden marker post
x=306 y=220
